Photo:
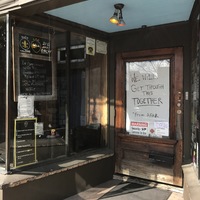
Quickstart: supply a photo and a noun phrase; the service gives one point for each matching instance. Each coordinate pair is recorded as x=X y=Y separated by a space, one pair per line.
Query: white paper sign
x=39 y=128
x=101 y=47
x=139 y=128
x=25 y=106
x=90 y=46
x=147 y=96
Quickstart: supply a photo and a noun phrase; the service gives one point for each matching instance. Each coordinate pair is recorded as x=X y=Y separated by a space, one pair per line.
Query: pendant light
x=117 y=17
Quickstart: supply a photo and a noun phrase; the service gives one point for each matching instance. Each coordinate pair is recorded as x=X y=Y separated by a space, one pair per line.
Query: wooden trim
x=155 y=53
x=120 y=95
x=127 y=137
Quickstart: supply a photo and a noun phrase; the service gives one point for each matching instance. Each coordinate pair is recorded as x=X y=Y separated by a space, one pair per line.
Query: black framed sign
x=34 y=45
x=24 y=142
x=34 y=70
x=35 y=77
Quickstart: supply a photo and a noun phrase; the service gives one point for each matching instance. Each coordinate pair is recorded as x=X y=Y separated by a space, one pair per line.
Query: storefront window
x=59 y=92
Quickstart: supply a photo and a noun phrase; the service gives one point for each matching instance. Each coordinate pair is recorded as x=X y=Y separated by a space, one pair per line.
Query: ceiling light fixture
x=117 y=17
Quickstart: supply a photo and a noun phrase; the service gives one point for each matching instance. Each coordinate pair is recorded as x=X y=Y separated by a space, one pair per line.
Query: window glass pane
x=60 y=95
x=3 y=86
x=88 y=96
x=147 y=98
x=39 y=130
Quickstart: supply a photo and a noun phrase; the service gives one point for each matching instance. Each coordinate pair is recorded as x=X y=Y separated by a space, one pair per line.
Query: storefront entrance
x=148 y=123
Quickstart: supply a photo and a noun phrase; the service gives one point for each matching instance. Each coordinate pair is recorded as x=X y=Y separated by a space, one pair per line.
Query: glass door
x=148 y=123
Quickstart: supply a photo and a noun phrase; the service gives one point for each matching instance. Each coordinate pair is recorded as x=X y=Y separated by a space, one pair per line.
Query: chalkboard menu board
x=35 y=77
x=34 y=67
x=24 y=142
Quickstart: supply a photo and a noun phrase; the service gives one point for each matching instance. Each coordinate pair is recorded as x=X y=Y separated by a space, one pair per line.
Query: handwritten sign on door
x=147 y=98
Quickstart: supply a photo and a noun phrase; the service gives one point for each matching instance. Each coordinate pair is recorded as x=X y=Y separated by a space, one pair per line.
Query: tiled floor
x=97 y=192
x=176 y=196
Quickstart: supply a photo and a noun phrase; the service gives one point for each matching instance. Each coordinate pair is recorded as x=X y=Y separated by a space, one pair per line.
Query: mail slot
x=160 y=157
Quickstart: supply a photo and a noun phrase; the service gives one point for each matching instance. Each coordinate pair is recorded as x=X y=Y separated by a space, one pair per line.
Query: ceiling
x=136 y=13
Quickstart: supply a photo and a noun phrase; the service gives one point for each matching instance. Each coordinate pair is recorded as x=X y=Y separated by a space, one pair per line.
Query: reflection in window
x=68 y=97
x=3 y=86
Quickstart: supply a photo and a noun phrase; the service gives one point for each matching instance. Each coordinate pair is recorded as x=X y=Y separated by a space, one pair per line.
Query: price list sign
x=24 y=142
x=35 y=77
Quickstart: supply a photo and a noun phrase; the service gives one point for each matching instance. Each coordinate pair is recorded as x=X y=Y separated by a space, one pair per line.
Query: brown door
x=149 y=114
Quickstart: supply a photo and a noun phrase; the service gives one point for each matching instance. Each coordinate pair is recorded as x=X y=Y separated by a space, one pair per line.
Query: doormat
x=136 y=191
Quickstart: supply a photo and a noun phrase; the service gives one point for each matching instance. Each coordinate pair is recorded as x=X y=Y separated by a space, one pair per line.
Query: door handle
x=179 y=125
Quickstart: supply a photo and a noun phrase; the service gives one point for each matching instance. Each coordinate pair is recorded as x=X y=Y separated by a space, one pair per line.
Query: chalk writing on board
x=35 y=76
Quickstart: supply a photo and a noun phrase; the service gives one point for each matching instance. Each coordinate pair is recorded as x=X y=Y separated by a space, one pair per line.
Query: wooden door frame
x=175 y=142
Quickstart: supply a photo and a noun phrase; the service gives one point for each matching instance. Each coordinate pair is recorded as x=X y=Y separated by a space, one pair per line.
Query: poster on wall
x=147 y=98
x=101 y=47
x=90 y=46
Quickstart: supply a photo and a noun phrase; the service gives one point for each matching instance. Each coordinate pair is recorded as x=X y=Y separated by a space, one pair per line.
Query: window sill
x=22 y=177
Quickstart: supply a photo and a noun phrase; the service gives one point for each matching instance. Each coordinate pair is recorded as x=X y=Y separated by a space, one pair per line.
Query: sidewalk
x=130 y=188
